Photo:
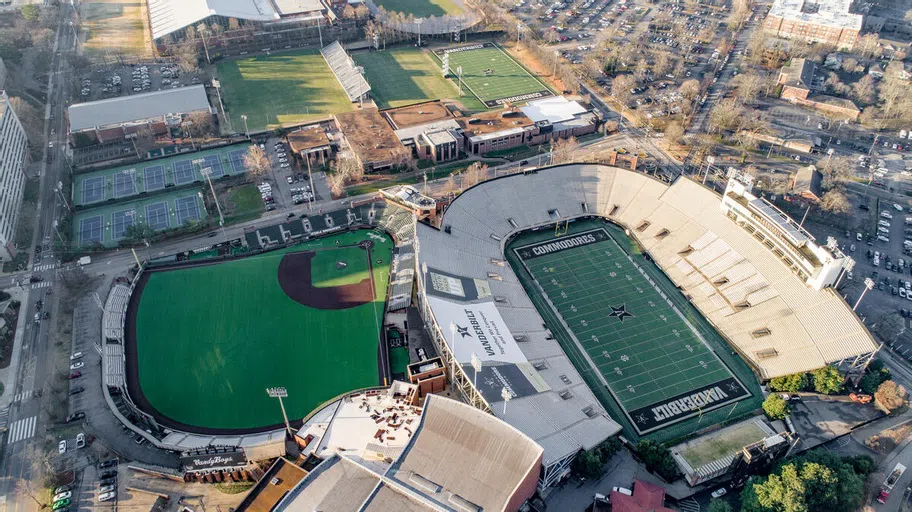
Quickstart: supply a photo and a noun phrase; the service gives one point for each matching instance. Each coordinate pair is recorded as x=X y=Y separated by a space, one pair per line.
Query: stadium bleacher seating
x=343 y=67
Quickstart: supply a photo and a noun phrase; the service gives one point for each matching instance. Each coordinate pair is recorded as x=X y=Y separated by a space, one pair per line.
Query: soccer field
x=422 y=8
x=492 y=75
x=208 y=340
x=283 y=88
x=630 y=335
x=404 y=76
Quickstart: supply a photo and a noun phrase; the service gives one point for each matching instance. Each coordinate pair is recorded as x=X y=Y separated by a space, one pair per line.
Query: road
x=24 y=421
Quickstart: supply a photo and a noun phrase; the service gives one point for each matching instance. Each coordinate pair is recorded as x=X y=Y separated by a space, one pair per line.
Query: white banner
x=478 y=329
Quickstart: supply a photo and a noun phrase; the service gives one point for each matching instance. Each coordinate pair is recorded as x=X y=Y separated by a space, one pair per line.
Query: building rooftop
x=832 y=13
x=554 y=109
x=281 y=477
x=418 y=114
x=454 y=457
x=413 y=132
x=291 y=7
x=487 y=123
x=307 y=138
x=798 y=73
x=370 y=136
x=809 y=179
x=836 y=102
x=126 y=109
x=439 y=137
x=167 y=16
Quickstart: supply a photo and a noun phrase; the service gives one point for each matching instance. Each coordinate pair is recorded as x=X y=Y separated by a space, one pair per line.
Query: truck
x=891 y=480
x=85 y=260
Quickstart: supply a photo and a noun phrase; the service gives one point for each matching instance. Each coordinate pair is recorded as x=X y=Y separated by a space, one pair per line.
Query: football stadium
x=580 y=300
x=490 y=74
x=205 y=340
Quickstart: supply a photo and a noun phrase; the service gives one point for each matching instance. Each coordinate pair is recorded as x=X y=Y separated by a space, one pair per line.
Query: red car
x=75 y=375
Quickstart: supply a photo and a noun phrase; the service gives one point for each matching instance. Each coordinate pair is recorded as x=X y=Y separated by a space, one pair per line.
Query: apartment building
x=13 y=154
x=815 y=21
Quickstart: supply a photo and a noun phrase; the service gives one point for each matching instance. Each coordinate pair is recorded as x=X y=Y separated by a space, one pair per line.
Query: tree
x=836 y=170
x=775 y=407
x=748 y=86
x=890 y=395
x=674 y=132
x=587 y=465
x=30 y=12
x=719 y=506
x=474 y=174
x=835 y=201
x=620 y=88
x=867 y=45
x=817 y=481
x=201 y=124
x=827 y=380
x=864 y=90
x=689 y=89
x=725 y=115
x=789 y=383
x=875 y=375
x=564 y=150
x=256 y=162
x=30 y=118
x=138 y=232
x=143 y=141
x=658 y=459
x=849 y=65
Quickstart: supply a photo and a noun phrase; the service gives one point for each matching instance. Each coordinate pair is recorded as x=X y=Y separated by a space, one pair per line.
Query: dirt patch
x=295 y=278
x=887 y=440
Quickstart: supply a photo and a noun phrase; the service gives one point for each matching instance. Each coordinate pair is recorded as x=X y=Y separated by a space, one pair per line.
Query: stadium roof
x=555 y=109
x=801 y=328
x=458 y=457
x=289 y=7
x=167 y=16
x=138 y=107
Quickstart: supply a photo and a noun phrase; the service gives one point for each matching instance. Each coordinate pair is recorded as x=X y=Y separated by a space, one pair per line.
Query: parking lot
x=132 y=79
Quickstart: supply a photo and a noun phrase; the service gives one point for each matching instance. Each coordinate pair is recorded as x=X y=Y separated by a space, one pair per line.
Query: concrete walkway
x=8 y=374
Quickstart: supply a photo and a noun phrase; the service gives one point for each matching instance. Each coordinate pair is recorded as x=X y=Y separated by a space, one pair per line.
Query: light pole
x=59 y=190
x=476 y=365
x=453 y=353
x=507 y=396
x=207 y=172
x=847 y=267
x=281 y=393
x=246 y=130
x=360 y=71
x=869 y=283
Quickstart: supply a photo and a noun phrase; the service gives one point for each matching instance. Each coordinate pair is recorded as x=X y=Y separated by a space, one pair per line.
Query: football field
x=204 y=342
x=631 y=336
x=492 y=75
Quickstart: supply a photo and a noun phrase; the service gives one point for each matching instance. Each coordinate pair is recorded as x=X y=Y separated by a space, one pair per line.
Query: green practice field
x=210 y=339
x=283 y=88
x=627 y=331
x=492 y=75
x=421 y=8
x=404 y=76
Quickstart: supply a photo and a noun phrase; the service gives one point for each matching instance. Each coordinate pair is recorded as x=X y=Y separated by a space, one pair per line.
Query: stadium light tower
x=507 y=396
x=847 y=267
x=869 y=283
x=360 y=70
x=281 y=393
x=207 y=172
x=453 y=353
x=246 y=130
x=476 y=364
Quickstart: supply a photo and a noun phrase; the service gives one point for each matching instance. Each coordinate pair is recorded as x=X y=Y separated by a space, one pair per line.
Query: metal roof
x=138 y=107
x=167 y=16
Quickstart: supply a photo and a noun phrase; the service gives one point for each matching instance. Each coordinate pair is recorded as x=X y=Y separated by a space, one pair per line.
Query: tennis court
x=90 y=229
x=93 y=190
x=125 y=183
x=154 y=177
x=492 y=75
x=157 y=215
x=188 y=209
x=627 y=331
x=237 y=160
x=122 y=220
x=183 y=172
x=203 y=342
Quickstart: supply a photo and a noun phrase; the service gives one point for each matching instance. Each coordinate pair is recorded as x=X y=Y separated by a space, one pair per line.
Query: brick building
x=815 y=21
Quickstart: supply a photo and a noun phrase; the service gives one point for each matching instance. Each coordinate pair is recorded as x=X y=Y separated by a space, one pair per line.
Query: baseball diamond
x=204 y=340
x=630 y=335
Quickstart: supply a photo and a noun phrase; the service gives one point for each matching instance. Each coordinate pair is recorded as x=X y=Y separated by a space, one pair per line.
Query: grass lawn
x=441 y=171
x=327 y=273
x=399 y=360
x=490 y=74
x=243 y=203
x=283 y=88
x=403 y=76
x=706 y=450
x=210 y=339
x=421 y=8
x=111 y=28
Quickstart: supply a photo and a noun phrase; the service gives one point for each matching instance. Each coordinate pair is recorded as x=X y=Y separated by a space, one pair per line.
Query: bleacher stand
x=351 y=80
x=112 y=319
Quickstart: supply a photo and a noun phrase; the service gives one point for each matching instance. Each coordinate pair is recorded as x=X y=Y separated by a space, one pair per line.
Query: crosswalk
x=23 y=396
x=22 y=429
x=42 y=284
x=46 y=266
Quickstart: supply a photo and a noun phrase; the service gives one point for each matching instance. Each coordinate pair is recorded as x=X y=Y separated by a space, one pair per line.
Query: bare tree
x=201 y=124
x=836 y=170
x=864 y=90
x=748 y=86
x=725 y=115
x=868 y=46
x=30 y=118
x=564 y=150
x=336 y=183
x=143 y=141
x=620 y=88
x=890 y=395
x=474 y=174
x=689 y=89
x=256 y=162
x=674 y=132
x=849 y=65
x=835 y=201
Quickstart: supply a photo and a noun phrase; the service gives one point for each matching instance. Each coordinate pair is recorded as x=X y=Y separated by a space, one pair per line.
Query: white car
x=718 y=493
x=623 y=490
x=285 y=165
x=61 y=447
x=51 y=144
x=77 y=365
x=80 y=440
x=902 y=293
x=62 y=496
x=75 y=356
x=108 y=496
x=106 y=489
x=898 y=207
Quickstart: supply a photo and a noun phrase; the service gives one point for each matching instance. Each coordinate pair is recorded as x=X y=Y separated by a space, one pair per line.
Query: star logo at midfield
x=733 y=386
x=463 y=331
x=641 y=419
x=620 y=312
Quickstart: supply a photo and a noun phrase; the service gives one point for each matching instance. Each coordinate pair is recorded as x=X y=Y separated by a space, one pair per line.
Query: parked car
x=108 y=496
x=110 y=463
x=61 y=504
x=75 y=416
x=106 y=489
x=77 y=365
x=75 y=356
x=80 y=440
x=61 y=448
x=718 y=493
x=62 y=488
x=111 y=473
x=76 y=390
x=62 y=495
x=107 y=481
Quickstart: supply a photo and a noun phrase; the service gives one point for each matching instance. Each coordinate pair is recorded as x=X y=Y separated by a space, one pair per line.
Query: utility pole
x=281 y=393
x=246 y=130
x=869 y=283
x=207 y=172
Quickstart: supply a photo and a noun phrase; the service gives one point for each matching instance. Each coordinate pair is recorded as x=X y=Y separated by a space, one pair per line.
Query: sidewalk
x=8 y=374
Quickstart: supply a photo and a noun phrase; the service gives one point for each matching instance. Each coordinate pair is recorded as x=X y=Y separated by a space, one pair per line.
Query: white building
x=2 y=74
x=13 y=153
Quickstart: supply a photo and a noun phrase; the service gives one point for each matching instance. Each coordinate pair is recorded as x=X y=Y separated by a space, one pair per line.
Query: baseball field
x=204 y=342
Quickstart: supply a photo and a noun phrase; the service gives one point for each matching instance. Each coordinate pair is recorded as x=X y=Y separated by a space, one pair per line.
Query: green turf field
x=211 y=339
x=629 y=333
x=282 y=88
x=421 y=8
x=404 y=76
x=491 y=75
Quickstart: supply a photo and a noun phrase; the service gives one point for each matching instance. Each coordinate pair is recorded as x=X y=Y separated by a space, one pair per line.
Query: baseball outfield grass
x=210 y=339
